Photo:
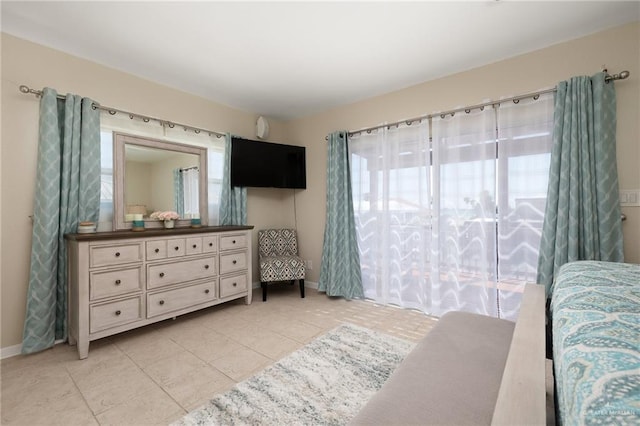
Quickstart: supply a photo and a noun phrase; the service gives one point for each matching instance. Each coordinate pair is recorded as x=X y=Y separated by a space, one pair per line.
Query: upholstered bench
x=455 y=374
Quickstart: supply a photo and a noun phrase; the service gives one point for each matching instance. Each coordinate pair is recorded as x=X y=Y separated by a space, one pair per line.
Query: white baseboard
x=307 y=284
x=10 y=351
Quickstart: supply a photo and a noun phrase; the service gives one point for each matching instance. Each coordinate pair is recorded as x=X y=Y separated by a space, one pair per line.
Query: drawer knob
x=118 y=282
x=117 y=254
x=161 y=302
x=235 y=261
x=176 y=248
x=157 y=250
x=210 y=244
x=161 y=274
x=206 y=266
x=233 y=242
x=206 y=291
x=194 y=246
x=235 y=284
x=118 y=312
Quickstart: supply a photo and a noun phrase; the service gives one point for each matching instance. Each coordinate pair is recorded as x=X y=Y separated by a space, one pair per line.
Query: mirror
x=152 y=175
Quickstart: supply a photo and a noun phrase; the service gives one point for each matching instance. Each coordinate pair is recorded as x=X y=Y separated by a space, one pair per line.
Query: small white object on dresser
x=123 y=280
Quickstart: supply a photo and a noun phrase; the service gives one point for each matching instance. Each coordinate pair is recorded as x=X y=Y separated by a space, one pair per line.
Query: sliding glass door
x=524 y=154
x=449 y=211
x=391 y=186
x=464 y=168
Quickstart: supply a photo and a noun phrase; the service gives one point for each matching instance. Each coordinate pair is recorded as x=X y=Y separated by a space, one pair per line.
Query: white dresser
x=123 y=280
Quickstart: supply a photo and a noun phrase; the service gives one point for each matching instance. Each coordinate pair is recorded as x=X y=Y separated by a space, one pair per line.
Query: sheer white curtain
x=464 y=272
x=453 y=224
x=391 y=191
x=524 y=154
x=190 y=179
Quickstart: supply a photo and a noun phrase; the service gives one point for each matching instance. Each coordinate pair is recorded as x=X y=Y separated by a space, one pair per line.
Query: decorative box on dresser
x=123 y=280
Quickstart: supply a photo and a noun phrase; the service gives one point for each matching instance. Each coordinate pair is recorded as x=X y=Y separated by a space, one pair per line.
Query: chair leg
x=302 y=288
x=264 y=291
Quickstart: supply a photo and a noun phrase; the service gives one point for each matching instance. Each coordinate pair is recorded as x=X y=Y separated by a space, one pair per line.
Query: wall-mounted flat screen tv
x=267 y=165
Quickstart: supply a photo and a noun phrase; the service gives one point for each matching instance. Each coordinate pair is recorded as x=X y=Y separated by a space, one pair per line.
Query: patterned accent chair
x=279 y=260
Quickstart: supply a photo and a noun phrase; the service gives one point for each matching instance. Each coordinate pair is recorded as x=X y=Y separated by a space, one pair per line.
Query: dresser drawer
x=180 y=298
x=210 y=244
x=176 y=272
x=108 y=315
x=193 y=245
x=114 y=283
x=233 y=285
x=232 y=242
x=175 y=247
x=115 y=255
x=232 y=262
x=156 y=249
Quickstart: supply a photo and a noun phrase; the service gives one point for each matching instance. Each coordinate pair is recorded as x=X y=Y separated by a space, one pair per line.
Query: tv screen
x=264 y=164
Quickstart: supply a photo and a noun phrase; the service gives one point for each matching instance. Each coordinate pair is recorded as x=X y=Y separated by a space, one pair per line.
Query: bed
x=595 y=311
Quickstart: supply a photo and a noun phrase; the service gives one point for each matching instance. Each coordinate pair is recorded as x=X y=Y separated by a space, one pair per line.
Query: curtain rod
x=467 y=109
x=113 y=111
x=189 y=168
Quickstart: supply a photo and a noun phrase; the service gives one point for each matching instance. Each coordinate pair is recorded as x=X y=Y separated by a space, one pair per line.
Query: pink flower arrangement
x=168 y=215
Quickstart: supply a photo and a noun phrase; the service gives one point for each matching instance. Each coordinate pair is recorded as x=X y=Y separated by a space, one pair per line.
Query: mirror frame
x=119 y=142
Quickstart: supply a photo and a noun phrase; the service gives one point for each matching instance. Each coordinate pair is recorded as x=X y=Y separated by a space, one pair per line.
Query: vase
x=168 y=224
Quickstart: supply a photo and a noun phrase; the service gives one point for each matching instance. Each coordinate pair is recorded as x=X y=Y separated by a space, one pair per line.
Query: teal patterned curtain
x=582 y=217
x=340 y=273
x=67 y=192
x=178 y=192
x=233 y=201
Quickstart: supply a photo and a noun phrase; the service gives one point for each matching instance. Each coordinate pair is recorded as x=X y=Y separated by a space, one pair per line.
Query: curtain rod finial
x=24 y=89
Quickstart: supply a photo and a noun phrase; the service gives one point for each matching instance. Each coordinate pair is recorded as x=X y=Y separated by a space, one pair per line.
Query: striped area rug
x=324 y=383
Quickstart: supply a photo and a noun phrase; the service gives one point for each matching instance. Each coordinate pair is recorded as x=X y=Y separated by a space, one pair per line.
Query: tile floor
x=156 y=374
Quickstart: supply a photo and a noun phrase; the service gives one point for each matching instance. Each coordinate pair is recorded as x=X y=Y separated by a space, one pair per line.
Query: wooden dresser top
x=156 y=232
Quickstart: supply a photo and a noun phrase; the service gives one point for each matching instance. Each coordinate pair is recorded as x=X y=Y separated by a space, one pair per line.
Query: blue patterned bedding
x=595 y=311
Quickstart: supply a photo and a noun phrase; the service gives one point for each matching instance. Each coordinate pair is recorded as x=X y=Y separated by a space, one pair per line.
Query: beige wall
x=618 y=49
x=137 y=184
x=38 y=66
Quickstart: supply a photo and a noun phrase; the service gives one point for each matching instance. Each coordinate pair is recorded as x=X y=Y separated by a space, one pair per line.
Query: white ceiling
x=290 y=59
